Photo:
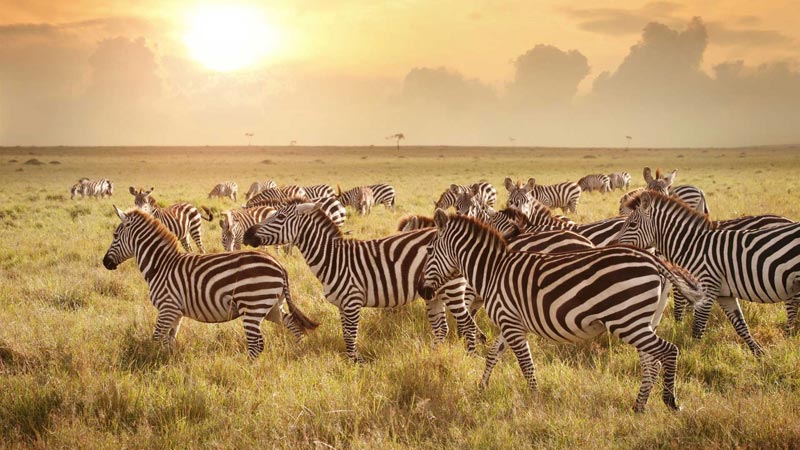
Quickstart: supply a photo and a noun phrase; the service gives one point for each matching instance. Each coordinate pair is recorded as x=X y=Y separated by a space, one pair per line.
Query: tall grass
x=78 y=367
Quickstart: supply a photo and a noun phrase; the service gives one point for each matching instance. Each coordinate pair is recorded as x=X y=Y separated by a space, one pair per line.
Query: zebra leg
x=197 y=238
x=252 y=330
x=650 y=369
x=350 y=316
x=680 y=305
x=466 y=324
x=437 y=319
x=473 y=303
x=664 y=352
x=491 y=359
x=702 y=310
x=734 y=313
x=173 y=332
x=791 y=315
x=186 y=245
x=519 y=345
x=167 y=321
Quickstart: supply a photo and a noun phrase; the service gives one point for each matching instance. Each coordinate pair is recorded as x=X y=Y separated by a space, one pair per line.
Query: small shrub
x=79 y=211
x=55 y=198
x=267 y=161
x=55 y=162
x=33 y=162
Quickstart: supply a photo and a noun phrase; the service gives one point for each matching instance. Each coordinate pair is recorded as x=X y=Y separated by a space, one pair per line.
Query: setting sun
x=227 y=38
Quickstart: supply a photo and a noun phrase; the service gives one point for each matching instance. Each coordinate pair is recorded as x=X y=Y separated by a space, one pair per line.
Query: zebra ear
x=648 y=176
x=509 y=184
x=531 y=184
x=338 y=190
x=306 y=208
x=132 y=190
x=150 y=190
x=120 y=214
x=671 y=177
x=456 y=189
x=440 y=218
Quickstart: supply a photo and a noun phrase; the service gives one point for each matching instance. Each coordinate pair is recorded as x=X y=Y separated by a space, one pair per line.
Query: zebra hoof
x=758 y=351
x=638 y=409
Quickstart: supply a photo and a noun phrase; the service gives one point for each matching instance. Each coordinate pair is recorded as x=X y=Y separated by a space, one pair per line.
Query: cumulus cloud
x=546 y=75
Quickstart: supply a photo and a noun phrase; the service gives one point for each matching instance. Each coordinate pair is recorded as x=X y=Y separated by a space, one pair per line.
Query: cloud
x=620 y=21
x=721 y=34
x=441 y=86
x=546 y=75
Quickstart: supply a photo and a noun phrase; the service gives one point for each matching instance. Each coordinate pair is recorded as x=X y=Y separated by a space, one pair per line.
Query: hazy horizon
x=349 y=73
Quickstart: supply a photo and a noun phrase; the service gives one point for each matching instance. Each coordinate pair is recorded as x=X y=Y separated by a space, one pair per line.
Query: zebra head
x=281 y=228
x=509 y=222
x=142 y=199
x=230 y=230
x=75 y=190
x=659 y=183
x=448 y=197
x=442 y=264
x=638 y=229
x=519 y=195
x=121 y=248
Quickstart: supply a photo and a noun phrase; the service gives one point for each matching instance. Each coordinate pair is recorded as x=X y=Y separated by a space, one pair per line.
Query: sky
x=449 y=72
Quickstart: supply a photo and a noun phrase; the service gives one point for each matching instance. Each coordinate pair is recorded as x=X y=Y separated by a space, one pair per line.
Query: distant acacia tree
x=292 y=143
x=397 y=137
x=249 y=138
x=629 y=141
x=513 y=140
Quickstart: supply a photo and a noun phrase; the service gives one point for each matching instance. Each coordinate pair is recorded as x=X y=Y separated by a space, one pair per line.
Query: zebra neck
x=317 y=244
x=152 y=255
x=477 y=264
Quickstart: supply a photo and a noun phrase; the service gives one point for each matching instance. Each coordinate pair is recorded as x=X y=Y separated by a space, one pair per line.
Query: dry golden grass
x=78 y=368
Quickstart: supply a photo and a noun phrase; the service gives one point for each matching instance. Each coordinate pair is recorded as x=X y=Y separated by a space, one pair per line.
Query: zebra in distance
x=259 y=186
x=235 y=222
x=366 y=198
x=383 y=193
x=93 y=188
x=181 y=219
x=691 y=195
x=207 y=288
x=562 y=195
x=268 y=197
x=382 y=273
x=595 y=182
x=319 y=191
x=621 y=180
x=484 y=191
x=225 y=189
x=565 y=297
x=760 y=266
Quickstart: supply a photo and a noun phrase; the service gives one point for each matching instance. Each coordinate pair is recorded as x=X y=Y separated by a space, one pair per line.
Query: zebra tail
x=207 y=211
x=683 y=280
x=299 y=315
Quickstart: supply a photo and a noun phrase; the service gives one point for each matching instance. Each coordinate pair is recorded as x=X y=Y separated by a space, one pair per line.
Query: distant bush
x=55 y=162
x=267 y=161
x=33 y=162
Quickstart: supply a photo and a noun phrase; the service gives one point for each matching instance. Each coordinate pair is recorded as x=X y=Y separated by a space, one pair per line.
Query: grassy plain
x=78 y=368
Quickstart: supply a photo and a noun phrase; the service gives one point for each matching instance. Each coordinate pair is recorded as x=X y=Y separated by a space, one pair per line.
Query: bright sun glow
x=227 y=38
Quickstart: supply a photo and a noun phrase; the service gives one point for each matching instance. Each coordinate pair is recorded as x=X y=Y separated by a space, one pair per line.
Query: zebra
x=485 y=192
x=366 y=198
x=319 y=191
x=757 y=265
x=234 y=223
x=691 y=195
x=620 y=180
x=207 y=288
x=182 y=219
x=292 y=190
x=743 y=223
x=384 y=194
x=225 y=189
x=564 y=297
x=259 y=186
x=333 y=209
x=268 y=197
x=562 y=195
x=595 y=182
x=93 y=188
x=382 y=273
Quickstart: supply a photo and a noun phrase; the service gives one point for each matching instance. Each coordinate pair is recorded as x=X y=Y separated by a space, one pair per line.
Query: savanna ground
x=78 y=368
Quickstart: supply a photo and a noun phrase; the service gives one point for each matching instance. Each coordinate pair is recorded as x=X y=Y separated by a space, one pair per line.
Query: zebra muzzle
x=109 y=263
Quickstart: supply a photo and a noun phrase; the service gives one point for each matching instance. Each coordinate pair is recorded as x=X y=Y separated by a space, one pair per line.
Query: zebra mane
x=662 y=199
x=159 y=227
x=481 y=230
x=514 y=215
x=423 y=221
x=320 y=215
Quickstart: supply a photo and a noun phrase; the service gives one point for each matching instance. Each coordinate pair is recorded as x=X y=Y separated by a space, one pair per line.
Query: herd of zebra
x=531 y=270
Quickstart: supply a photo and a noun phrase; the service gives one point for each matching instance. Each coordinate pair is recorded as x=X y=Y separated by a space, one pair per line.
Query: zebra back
x=259 y=186
x=619 y=180
x=562 y=195
x=595 y=182
x=318 y=191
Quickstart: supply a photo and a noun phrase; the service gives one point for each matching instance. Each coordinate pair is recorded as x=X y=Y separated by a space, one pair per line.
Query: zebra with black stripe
x=366 y=198
x=182 y=219
x=382 y=273
x=384 y=194
x=562 y=195
x=225 y=189
x=564 y=297
x=484 y=192
x=207 y=288
x=761 y=266
x=93 y=188
x=235 y=222
x=292 y=191
x=318 y=191
x=595 y=182
x=691 y=195
x=259 y=186
x=621 y=180
x=268 y=197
